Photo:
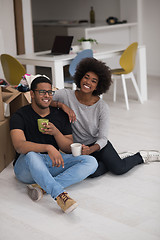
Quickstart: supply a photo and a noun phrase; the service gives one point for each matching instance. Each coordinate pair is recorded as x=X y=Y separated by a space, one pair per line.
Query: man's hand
x=63 y=141
x=49 y=128
x=55 y=156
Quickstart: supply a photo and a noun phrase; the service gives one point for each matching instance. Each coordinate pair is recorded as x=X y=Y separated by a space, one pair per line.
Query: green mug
x=40 y=125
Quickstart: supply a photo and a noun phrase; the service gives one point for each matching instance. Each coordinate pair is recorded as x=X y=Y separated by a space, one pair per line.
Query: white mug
x=76 y=149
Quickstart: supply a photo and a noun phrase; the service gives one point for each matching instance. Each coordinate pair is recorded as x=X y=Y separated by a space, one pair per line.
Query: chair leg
x=125 y=90
x=136 y=87
x=114 y=89
x=74 y=87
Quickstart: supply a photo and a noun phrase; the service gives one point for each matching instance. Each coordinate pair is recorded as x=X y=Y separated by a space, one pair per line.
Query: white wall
x=7 y=29
x=149 y=21
x=151 y=34
x=128 y=10
x=7 y=25
x=73 y=9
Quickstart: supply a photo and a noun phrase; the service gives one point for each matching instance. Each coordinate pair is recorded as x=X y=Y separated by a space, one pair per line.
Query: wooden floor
x=111 y=207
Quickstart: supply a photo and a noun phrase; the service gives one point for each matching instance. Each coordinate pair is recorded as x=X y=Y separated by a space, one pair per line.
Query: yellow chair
x=127 y=62
x=13 y=70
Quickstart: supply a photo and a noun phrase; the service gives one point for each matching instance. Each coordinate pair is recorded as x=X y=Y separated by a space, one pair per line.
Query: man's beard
x=40 y=106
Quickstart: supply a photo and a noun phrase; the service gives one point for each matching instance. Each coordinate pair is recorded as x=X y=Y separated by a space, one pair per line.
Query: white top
x=92 y=121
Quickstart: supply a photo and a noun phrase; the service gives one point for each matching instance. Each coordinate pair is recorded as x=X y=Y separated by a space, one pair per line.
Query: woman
x=89 y=115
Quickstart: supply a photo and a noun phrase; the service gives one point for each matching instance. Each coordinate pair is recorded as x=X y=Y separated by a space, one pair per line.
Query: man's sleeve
x=16 y=122
x=67 y=129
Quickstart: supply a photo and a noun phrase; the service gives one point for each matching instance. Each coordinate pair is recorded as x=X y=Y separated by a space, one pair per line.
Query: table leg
x=57 y=75
x=142 y=72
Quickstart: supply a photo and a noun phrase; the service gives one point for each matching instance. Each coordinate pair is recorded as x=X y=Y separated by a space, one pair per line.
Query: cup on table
x=76 y=149
x=40 y=125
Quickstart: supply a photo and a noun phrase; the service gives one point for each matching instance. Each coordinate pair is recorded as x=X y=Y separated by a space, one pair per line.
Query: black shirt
x=26 y=119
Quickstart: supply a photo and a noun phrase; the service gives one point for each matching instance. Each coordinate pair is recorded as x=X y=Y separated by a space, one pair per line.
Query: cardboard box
x=1 y=106
x=7 y=152
x=15 y=100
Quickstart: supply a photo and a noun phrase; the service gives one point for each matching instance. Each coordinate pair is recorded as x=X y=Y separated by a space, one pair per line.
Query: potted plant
x=86 y=42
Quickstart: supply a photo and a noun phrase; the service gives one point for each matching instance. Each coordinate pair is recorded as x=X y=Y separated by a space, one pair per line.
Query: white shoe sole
x=150 y=155
x=71 y=208
x=34 y=193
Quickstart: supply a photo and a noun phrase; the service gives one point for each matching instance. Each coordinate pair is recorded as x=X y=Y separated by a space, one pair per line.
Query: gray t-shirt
x=92 y=121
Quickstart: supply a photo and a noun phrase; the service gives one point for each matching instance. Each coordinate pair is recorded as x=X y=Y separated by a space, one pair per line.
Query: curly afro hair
x=99 y=68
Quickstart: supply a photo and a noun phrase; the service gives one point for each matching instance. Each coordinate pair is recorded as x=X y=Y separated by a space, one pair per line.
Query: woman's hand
x=88 y=150
x=70 y=112
x=85 y=150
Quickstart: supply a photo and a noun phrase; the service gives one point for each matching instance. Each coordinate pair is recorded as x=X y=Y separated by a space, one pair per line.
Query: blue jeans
x=37 y=168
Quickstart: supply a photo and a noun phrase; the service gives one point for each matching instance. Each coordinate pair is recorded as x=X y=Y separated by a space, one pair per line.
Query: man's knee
x=30 y=156
x=92 y=163
x=33 y=158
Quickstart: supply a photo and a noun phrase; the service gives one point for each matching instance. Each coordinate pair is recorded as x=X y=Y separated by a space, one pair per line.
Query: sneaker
x=35 y=192
x=66 y=203
x=150 y=156
x=125 y=154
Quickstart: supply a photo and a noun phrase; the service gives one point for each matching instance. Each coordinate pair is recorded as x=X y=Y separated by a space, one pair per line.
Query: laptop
x=61 y=45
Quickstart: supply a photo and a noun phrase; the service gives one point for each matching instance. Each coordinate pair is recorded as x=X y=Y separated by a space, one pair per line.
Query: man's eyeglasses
x=44 y=92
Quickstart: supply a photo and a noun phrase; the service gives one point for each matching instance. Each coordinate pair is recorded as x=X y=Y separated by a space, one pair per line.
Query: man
x=39 y=160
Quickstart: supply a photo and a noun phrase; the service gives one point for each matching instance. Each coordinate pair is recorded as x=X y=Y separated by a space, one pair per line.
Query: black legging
x=109 y=160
